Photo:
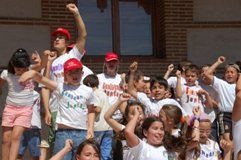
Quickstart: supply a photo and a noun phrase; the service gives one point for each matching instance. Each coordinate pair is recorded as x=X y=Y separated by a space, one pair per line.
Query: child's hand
x=202 y=92
x=124 y=97
x=36 y=57
x=133 y=67
x=225 y=145
x=221 y=59
x=72 y=8
x=68 y=144
x=196 y=111
x=170 y=68
x=90 y=134
x=52 y=56
x=178 y=74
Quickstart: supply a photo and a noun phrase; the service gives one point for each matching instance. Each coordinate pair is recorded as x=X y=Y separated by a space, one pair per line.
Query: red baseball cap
x=63 y=31
x=72 y=64
x=111 y=56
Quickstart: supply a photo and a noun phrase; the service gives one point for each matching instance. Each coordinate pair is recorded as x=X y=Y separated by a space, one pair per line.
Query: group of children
x=118 y=116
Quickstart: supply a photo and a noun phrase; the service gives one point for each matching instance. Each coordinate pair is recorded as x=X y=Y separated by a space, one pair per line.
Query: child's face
x=231 y=75
x=20 y=71
x=158 y=91
x=155 y=133
x=111 y=66
x=73 y=77
x=191 y=77
x=132 y=113
x=205 y=131
x=60 y=42
x=140 y=84
x=147 y=89
x=88 y=153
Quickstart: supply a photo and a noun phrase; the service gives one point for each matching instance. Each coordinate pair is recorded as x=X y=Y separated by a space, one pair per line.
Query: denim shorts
x=76 y=135
x=31 y=140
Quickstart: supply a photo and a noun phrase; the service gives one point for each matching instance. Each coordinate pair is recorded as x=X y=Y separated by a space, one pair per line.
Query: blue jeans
x=104 y=138
x=76 y=135
x=30 y=139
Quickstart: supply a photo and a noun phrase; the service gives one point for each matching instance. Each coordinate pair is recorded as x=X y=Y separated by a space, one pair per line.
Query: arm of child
x=227 y=149
x=80 y=43
x=67 y=148
x=36 y=76
x=208 y=100
x=116 y=126
x=91 y=120
x=2 y=81
x=179 y=85
x=131 y=138
x=131 y=88
x=170 y=68
x=40 y=60
x=237 y=102
x=209 y=72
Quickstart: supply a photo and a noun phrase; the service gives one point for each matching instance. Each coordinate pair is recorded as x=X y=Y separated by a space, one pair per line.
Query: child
x=236 y=118
x=18 y=110
x=31 y=137
x=88 y=149
x=190 y=94
x=158 y=87
x=110 y=79
x=103 y=132
x=128 y=115
x=54 y=69
x=153 y=130
x=74 y=101
x=226 y=90
x=209 y=149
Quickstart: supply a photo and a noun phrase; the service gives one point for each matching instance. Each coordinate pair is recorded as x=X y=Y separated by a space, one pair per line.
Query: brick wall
x=176 y=16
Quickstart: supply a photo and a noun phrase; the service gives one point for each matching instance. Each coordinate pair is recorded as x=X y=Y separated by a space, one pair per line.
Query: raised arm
x=82 y=33
x=131 y=138
x=236 y=114
x=209 y=72
x=209 y=102
x=67 y=148
x=36 y=76
x=115 y=125
x=179 y=85
x=131 y=89
x=170 y=68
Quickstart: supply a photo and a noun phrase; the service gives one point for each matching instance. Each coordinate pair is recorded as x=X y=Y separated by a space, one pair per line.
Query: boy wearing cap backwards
x=54 y=68
x=226 y=90
x=75 y=117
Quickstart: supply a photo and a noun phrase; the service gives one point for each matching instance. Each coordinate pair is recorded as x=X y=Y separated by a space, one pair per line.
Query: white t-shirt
x=237 y=137
x=226 y=93
x=215 y=96
x=73 y=101
x=145 y=151
x=19 y=94
x=102 y=102
x=111 y=86
x=153 y=107
x=36 y=120
x=57 y=72
x=191 y=99
x=209 y=151
x=172 y=81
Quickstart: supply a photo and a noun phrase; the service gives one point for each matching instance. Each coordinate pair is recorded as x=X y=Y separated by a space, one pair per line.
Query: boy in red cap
x=75 y=115
x=55 y=69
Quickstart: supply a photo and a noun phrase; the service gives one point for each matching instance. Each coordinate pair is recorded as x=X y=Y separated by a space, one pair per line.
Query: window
x=122 y=26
